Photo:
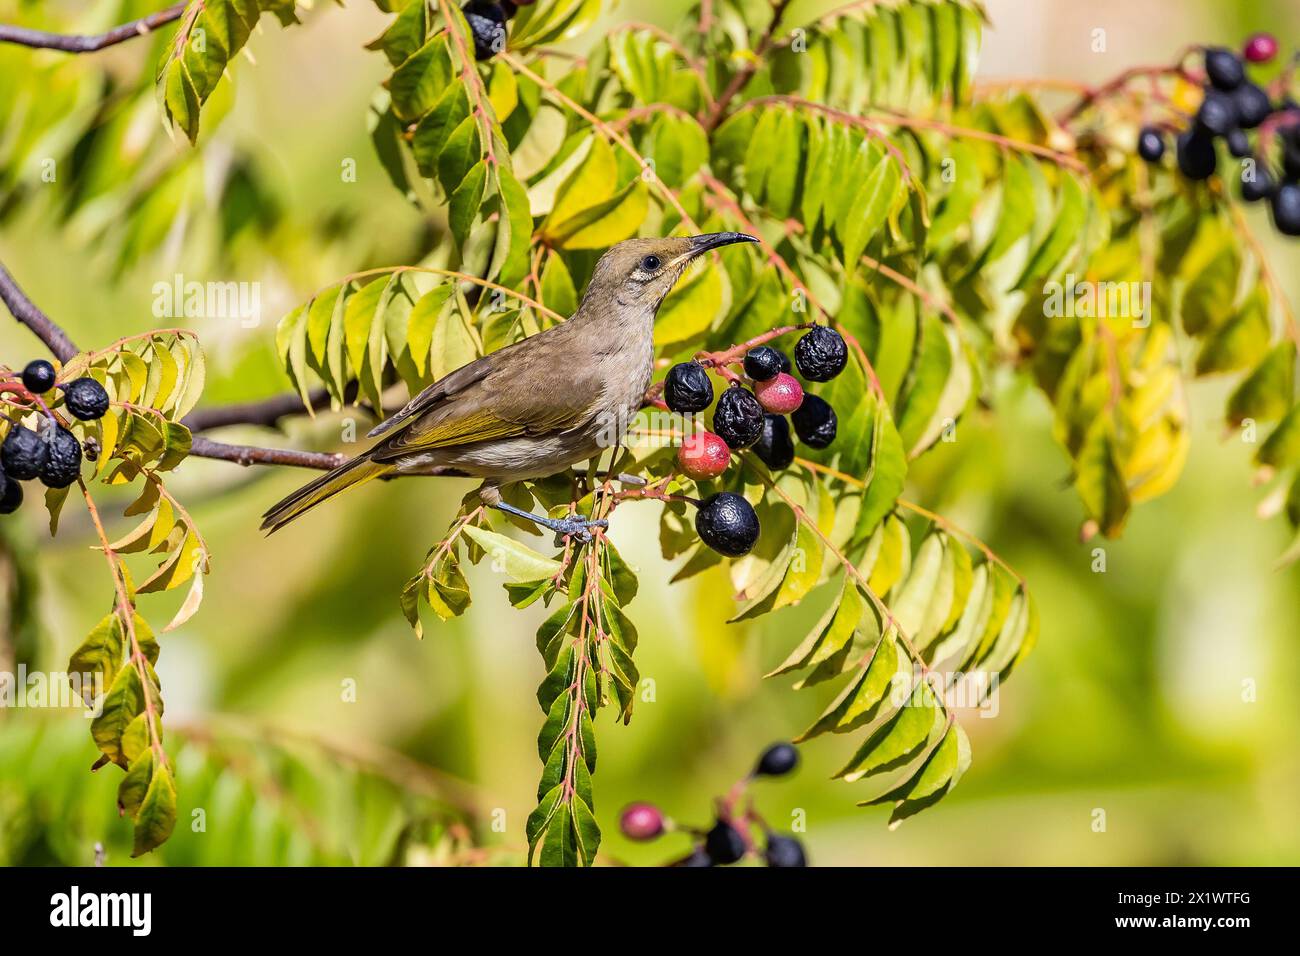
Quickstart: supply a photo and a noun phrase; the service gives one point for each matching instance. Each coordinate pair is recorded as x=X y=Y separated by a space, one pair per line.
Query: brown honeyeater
x=539 y=406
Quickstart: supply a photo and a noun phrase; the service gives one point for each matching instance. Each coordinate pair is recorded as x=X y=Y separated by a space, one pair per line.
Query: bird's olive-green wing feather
x=432 y=395
x=535 y=391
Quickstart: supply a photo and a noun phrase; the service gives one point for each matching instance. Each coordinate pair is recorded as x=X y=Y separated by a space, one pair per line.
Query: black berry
x=697 y=857
x=85 y=398
x=815 y=422
x=1239 y=143
x=38 y=376
x=1196 y=156
x=820 y=354
x=1151 y=144
x=63 y=463
x=11 y=496
x=687 y=388
x=775 y=447
x=1218 y=114
x=1252 y=104
x=487 y=22
x=23 y=453
x=1291 y=152
x=724 y=844
x=1224 y=69
x=764 y=362
x=784 y=851
x=777 y=761
x=509 y=8
x=726 y=522
x=1286 y=209
x=738 y=419
x=1257 y=183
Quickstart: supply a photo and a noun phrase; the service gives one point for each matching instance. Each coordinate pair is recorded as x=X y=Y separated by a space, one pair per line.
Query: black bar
x=334 y=905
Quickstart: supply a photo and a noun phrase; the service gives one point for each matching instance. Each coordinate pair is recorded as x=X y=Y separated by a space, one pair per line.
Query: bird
x=539 y=406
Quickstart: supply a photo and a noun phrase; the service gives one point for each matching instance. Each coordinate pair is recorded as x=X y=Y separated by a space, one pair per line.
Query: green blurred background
x=1132 y=703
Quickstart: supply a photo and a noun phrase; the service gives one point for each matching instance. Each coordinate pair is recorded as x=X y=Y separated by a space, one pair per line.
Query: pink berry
x=1261 y=48
x=641 y=821
x=780 y=395
x=703 y=455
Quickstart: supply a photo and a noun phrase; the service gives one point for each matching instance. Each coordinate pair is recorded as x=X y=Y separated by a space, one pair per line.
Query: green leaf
x=1267 y=392
x=1100 y=482
x=124 y=700
x=871 y=204
x=518 y=561
x=1282 y=447
x=899 y=740
x=1241 y=341
x=691 y=308
x=157 y=815
x=100 y=653
x=1065 y=234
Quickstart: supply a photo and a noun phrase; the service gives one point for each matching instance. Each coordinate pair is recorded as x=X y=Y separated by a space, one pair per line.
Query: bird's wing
x=432 y=395
x=536 y=392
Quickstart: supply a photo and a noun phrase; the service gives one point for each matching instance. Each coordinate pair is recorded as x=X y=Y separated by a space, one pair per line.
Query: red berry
x=703 y=455
x=780 y=395
x=1260 y=48
x=641 y=821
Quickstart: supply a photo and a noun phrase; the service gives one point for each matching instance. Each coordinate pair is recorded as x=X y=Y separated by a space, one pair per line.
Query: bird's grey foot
x=573 y=526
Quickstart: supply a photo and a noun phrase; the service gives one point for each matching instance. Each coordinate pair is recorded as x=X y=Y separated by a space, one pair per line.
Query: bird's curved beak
x=713 y=240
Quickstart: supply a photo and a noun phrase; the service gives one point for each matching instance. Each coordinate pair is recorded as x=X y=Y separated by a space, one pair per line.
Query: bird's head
x=638 y=273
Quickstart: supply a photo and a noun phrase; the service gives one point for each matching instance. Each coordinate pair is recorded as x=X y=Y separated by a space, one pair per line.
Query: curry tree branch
x=256 y=455
x=89 y=43
x=57 y=341
x=26 y=312
x=744 y=74
x=266 y=412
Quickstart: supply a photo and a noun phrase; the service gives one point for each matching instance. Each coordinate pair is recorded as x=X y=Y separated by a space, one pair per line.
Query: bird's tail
x=354 y=472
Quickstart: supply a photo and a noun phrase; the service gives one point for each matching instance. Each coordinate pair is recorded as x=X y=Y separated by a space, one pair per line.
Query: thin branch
x=1265 y=269
x=266 y=413
x=451 y=274
x=1092 y=95
x=89 y=43
x=254 y=455
x=910 y=285
x=606 y=130
x=892 y=118
x=26 y=312
x=126 y=613
x=745 y=73
x=474 y=88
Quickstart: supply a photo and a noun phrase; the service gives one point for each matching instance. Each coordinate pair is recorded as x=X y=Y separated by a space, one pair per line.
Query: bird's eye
x=650 y=264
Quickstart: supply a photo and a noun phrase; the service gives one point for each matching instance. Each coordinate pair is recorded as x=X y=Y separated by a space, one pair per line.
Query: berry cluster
x=53 y=453
x=1232 y=106
x=487 y=22
x=745 y=418
x=731 y=838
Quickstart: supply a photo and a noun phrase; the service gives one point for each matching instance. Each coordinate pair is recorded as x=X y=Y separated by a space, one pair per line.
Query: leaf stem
x=743 y=75
x=888 y=620
x=606 y=130
x=126 y=612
